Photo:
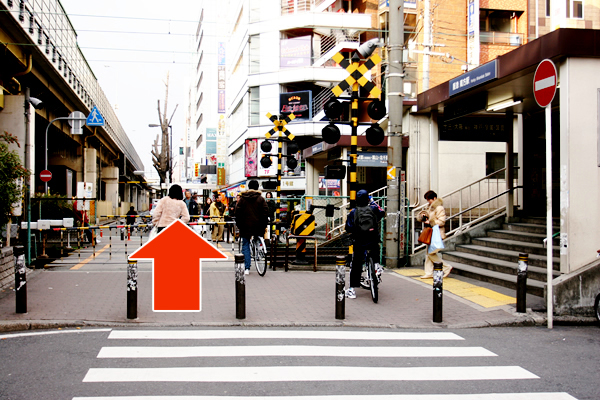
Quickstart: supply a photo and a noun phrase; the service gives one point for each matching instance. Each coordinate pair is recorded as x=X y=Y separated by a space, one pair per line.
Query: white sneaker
x=247 y=272
x=378 y=271
x=350 y=293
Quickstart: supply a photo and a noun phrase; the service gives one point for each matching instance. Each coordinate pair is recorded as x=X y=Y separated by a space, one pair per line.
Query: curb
x=526 y=320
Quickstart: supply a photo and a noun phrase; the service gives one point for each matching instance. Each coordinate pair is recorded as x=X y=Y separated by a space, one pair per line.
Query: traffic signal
x=375 y=135
x=333 y=109
x=265 y=161
x=291 y=162
x=335 y=172
x=266 y=146
x=376 y=110
x=331 y=133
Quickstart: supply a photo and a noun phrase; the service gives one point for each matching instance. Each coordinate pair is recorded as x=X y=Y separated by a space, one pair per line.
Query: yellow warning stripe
x=90 y=258
x=479 y=295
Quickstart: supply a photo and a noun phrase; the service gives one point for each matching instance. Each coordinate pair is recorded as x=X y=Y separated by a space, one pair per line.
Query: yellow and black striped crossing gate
x=303 y=224
x=357 y=74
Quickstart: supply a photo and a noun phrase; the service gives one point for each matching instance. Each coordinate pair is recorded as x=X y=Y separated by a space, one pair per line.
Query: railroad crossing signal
x=357 y=74
x=280 y=125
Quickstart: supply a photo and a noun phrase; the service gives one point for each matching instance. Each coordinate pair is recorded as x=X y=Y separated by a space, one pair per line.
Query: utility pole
x=395 y=213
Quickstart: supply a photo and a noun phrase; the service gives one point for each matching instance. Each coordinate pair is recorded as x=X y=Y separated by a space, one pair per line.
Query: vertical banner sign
x=251 y=157
x=473 y=44
x=221 y=78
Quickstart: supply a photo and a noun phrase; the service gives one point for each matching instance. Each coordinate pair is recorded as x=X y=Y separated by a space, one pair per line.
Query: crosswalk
x=304 y=360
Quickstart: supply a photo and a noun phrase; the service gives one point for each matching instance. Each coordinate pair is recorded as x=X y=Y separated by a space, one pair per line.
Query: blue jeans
x=246 y=252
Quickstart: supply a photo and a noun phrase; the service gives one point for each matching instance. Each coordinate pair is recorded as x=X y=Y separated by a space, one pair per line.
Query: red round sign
x=45 y=175
x=544 y=83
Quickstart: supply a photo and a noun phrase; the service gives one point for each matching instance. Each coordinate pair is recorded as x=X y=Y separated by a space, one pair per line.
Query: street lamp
x=169 y=155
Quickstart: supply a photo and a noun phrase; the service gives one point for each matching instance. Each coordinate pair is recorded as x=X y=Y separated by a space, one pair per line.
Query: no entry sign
x=45 y=175
x=544 y=83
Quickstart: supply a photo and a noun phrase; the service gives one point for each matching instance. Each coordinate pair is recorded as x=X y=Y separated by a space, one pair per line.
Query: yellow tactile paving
x=479 y=295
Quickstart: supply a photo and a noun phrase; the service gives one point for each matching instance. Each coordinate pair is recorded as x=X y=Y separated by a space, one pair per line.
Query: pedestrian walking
x=435 y=214
x=216 y=211
x=252 y=218
x=193 y=207
x=206 y=215
x=170 y=208
x=363 y=226
x=272 y=206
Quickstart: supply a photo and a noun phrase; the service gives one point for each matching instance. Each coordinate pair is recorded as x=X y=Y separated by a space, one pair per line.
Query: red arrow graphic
x=177 y=253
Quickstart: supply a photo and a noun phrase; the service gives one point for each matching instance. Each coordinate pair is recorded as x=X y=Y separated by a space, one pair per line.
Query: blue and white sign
x=95 y=118
x=470 y=79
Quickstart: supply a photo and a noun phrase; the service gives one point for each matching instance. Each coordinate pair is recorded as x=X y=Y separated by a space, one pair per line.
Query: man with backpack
x=363 y=226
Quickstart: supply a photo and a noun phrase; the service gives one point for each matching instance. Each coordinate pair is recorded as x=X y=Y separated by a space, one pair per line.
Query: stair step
x=492 y=264
x=540 y=221
x=507 y=255
x=520 y=236
x=515 y=245
x=531 y=228
x=498 y=278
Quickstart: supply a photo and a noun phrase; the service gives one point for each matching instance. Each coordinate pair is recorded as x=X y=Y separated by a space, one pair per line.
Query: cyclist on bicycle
x=251 y=218
x=363 y=226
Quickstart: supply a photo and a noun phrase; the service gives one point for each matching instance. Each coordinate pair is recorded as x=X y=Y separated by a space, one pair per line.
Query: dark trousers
x=358 y=257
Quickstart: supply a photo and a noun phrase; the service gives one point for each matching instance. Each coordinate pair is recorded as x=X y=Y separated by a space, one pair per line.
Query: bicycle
x=370 y=278
x=258 y=253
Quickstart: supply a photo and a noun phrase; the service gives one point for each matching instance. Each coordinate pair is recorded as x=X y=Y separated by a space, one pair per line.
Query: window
x=254 y=10
x=575 y=9
x=548 y=9
x=254 y=112
x=499 y=27
x=254 y=54
x=495 y=162
x=199 y=121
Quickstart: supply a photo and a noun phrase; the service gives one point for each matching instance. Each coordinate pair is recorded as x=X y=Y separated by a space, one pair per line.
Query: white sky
x=131 y=46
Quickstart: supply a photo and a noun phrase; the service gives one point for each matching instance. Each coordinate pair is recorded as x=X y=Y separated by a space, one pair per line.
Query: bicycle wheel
x=260 y=262
x=372 y=278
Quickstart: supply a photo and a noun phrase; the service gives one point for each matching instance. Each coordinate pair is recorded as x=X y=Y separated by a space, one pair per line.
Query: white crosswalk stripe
x=290 y=351
x=279 y=362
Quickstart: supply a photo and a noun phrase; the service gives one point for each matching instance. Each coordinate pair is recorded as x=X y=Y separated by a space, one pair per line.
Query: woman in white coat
x=435 y=214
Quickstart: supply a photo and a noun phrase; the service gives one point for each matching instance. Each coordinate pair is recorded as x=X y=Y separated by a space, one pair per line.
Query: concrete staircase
x=494 y=258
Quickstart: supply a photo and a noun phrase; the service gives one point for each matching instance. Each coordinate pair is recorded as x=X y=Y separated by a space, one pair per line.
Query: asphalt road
x=557 y=364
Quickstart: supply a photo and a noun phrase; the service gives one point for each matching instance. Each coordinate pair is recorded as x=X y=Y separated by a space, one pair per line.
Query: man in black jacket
x=251 y=218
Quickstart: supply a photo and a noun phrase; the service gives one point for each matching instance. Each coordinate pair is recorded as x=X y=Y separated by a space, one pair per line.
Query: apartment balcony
x=502 y=38
x=297 y=14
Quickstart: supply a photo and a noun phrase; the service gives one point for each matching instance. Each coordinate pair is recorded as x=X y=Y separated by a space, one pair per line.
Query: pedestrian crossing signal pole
x=333 y=109
x=280 y=122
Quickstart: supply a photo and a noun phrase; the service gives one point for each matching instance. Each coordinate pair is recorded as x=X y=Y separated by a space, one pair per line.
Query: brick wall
x=7 y=268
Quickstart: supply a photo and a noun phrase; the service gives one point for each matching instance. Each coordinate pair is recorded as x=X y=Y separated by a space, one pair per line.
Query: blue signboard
x=372 y=159
x=473 y=78
x=95 y=118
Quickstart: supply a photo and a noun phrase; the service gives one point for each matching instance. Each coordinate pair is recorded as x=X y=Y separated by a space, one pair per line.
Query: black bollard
x=240 y=287
x=522 y=283
x=132 y=283
x=20 y=279
x=438 y=291
x=340 y=287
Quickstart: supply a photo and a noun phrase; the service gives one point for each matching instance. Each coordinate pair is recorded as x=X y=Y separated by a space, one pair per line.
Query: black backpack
x=365 y=221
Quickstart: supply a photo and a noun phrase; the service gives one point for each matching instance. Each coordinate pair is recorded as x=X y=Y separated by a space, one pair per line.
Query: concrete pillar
x=434 y=156
x=110 y=176
x=13 y=122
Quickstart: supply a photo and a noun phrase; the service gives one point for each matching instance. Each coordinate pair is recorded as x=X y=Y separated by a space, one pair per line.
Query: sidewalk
x=95 y=294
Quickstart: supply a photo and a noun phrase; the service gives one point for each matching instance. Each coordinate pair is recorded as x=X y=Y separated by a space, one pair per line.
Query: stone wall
x=7 y=268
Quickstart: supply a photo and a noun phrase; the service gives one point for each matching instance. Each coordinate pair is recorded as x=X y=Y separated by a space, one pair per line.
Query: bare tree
x=162 y=160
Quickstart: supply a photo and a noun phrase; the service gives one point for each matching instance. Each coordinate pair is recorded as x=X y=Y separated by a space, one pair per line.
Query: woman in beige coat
x=170 y=208
x=435 y=214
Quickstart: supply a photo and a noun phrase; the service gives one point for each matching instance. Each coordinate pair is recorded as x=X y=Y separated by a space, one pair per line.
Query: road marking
x=305 y=374
x=290 y=351
x=281 y=334
x=90 y=258
x=479 y=295
x=14 y=335
x=470 y=396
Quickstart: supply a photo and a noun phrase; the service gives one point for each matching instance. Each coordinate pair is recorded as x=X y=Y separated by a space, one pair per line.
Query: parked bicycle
x=258 y=253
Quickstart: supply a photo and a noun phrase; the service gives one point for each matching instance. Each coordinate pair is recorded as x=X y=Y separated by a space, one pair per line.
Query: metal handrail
x=472 y=194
